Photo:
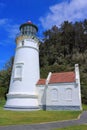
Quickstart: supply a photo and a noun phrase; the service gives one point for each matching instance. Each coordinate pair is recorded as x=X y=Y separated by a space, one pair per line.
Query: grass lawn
x=84 y=107
x=28 y=117
x=80 y=127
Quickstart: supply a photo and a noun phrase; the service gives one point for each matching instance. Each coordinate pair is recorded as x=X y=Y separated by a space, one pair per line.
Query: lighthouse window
x=22 y=30
x=22 y=43
x=31 y=29
x=18 y=71
x=28 y=30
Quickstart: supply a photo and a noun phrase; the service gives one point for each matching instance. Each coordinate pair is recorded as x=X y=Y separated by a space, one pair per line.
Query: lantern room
x=28 y=29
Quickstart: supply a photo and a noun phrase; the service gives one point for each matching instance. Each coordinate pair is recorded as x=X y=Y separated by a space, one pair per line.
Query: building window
x=18 y=71
x=54 y=94
x=22 y=43
x=68 y=94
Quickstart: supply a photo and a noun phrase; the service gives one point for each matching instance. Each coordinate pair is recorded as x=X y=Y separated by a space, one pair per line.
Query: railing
x=26 y=34
x=31 y=35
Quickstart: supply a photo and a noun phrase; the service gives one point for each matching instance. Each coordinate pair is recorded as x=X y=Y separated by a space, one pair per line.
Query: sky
x=43 y=13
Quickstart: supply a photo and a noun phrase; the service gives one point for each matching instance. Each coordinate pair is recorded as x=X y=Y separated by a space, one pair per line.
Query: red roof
x=29 y=22
x=64 y=77
x=41 y=82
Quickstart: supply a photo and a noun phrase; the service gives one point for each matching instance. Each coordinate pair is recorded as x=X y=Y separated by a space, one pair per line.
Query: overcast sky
x=43 y=13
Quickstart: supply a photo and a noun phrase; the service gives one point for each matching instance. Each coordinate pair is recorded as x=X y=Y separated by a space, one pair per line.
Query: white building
x=60 y=91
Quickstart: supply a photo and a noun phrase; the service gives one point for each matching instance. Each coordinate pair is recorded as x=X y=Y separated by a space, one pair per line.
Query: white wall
x=68 y=94
x=25 y=74
x=41 y=92
x=28 y=56
x=46 y=97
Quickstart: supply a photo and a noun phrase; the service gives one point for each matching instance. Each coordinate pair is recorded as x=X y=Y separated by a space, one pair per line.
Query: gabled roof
x=64 y=77
x=41 y=82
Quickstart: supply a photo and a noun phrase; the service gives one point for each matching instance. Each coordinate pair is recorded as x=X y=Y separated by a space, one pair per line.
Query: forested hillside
x=62 y=48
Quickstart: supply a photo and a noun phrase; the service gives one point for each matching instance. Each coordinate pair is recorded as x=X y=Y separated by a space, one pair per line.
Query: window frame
x=54 y=99
x=68 y=91
x=20 y=71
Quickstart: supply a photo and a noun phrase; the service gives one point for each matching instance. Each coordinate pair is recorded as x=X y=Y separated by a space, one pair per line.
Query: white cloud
x=12 y=30
x=74 y=10
x=9 y=28
x=3 y=21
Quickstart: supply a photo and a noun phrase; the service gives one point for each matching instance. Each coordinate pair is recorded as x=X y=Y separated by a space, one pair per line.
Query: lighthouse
x=25 y=73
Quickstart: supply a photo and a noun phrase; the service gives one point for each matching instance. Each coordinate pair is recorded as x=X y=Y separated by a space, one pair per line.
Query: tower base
x=21 y=102
x=21 y=108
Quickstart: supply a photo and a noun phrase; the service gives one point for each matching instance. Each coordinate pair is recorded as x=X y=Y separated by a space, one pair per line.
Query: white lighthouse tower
x=25 y=74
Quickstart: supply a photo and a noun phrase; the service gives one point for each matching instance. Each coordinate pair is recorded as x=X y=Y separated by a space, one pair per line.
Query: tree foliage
x=5 y=75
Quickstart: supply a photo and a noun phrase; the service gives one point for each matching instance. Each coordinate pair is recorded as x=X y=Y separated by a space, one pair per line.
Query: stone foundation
x=75 y=108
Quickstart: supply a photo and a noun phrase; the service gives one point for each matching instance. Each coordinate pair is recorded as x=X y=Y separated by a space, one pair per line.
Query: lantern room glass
x=28 y=30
